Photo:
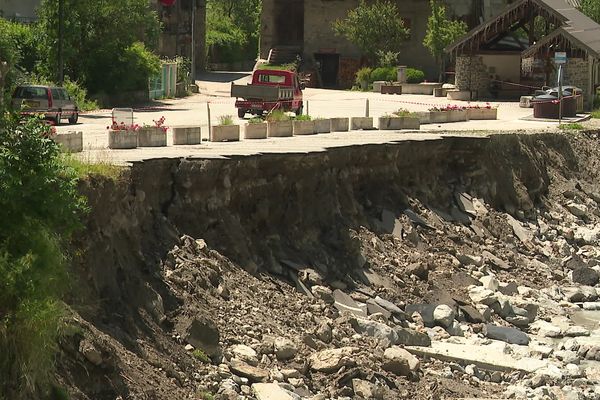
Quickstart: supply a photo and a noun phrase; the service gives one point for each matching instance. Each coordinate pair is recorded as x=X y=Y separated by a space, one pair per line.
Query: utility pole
x=61 y=34
x=193 y=60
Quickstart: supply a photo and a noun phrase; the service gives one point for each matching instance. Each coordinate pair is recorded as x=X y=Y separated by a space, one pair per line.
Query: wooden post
x=208 y=116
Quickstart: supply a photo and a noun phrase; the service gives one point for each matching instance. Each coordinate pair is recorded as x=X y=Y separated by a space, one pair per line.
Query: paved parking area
x=193 y=110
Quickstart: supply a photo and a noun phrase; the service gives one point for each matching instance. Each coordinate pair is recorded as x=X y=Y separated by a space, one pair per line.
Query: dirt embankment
x=271 y=224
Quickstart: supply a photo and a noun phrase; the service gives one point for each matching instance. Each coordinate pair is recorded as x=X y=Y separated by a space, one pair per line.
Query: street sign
x=560 y=57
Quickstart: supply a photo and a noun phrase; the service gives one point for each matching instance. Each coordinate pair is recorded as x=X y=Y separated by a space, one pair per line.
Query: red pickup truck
x=269 y=90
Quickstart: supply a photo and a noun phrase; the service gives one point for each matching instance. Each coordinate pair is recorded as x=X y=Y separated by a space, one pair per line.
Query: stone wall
x=472 y=74
x=577 y=73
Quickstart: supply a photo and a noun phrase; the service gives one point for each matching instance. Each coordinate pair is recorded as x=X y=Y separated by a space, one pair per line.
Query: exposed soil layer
x=270 y=225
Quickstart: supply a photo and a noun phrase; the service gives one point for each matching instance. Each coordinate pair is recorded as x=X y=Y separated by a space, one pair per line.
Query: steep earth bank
x=200 y=278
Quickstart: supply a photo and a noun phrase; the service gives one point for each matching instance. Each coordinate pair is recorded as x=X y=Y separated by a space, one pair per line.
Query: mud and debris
x=460 y=268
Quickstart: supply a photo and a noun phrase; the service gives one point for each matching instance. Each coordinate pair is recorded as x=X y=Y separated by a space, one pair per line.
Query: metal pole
x=61 y=17
x=560 y=93
x=208 y=116
x=193 y=60
x=307 y=109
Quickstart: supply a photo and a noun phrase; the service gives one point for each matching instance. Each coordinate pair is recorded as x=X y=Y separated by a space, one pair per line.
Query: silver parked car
x=53 y=102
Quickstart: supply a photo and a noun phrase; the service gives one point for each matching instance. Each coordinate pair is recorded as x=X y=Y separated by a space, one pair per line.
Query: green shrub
x=403 y=113
x=596 y=114
x=277 y=115
x=256 y=120
x=138 y=64
x=226 y=120
x=303 y=117
x=363 y=75
x=39 y=208
x=387 y=58
x=201 y=356
x=18 y=50
x=571 y=127
x=79 y=95
x=414 y=75
x=388 y=74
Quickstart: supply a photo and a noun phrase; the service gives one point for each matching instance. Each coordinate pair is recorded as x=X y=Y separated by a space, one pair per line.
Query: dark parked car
x=53 y=102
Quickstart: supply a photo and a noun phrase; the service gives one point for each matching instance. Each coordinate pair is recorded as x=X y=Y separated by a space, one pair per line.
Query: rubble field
x=455 y=268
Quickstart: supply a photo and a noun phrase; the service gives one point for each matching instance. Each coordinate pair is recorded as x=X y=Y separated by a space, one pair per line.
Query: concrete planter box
x=482 y=113
x=340 y=124
x=151 y=136
x=397 y=123
x=255 y=131
x=70 y=142
x=391 y=89
x=303 y=127
x=423 y=116
x=322 y=125
x=441 y=117
x=365 y=123
x=420 y=88
x=225 y=133
x=280 y=129
x=122 y=139
x=183 y=135
x=464 y=95
x=440 y=92
x=377 y=86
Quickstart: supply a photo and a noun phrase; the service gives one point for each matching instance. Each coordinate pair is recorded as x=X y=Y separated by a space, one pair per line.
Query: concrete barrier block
x=279 y=129
x=440 y=92
x=322 y=125
x=397 y=123
x=391 y=89
x=365 y=123
x=420 y=88
x=183 y=135
x=424 y=117
x=464 y=95
x=340 y=124
x=255 y=131
x=377 y=86
x=122 y=139
x=151 y=136
x=482 y=113
x=303 y=127
x=441 y=117
x=225 y=133
x=70 y=142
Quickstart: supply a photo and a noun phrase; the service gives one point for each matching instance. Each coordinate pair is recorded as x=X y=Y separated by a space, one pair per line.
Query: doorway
x=328 y=66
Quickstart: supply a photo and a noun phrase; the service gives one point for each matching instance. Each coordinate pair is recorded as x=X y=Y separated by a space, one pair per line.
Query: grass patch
x=571 y=127
x=206 y=396
x=596 y=114
x=280 y=67
x=277 y=116
x=226 y=120
x=84 y=168
x=256 y=120
x=201 y=356
x=403 y=113
x=302 y=118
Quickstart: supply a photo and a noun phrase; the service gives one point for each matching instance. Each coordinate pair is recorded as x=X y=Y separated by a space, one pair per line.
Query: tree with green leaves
x=232 y=29
x=591 y=8
x=373 y=27
x=441 y=32
x=102 y=43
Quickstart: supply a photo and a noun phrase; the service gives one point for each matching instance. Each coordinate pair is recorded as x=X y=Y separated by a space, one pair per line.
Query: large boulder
x=383 y=333
x=201 y=333
x=285 y=348
x=332 y=359
x=443 y=315
x=272 y=391
x=254 y=374
x=244 y=353
x=399 y=361
x=508 y=335
x=586 y=276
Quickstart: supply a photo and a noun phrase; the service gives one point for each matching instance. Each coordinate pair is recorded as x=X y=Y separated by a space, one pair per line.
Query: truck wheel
x=241 y=113
x=299 y=110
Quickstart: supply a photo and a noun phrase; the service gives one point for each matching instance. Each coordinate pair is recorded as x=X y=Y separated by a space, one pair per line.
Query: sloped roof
x=574 y=26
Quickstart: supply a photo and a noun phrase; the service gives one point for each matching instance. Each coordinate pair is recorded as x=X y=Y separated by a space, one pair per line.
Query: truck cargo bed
x=262 y=92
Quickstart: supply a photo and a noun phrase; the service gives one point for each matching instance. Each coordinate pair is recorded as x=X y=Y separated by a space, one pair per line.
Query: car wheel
x=241 y=113
x=73 y=118
x=299 y=111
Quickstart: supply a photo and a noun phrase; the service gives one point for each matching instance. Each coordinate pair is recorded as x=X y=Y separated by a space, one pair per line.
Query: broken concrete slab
x=391 y=307
x=344 y=302
x=465 y=203
x=483 y=356
x=523 y=234
x=374 y=308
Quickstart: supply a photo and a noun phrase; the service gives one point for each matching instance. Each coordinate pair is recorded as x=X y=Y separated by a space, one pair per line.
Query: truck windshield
x=264 y=78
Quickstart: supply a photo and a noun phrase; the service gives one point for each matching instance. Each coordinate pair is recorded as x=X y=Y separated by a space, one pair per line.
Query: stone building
x=305 y=27
x=19 y=10
x=512 y=53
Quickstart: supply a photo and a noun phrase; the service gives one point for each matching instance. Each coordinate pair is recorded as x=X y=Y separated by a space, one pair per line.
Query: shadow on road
x=221 y=76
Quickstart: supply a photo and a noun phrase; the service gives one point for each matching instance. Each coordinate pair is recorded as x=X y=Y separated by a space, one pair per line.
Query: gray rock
x=508 y=288
x=201 y=333
x=546 y=329
x=333 y=359
x=323 y=293
x=399 y=361
x=481 y=295
x=490 y=282
x=444 y=315
x=391 y=307
x=471 y=314
x=410 y=337
x=324 y=332
x=244 y=353
x=578 y=210
x=575 y=331
x=383 y=333
x=90 y=352
x=254 y=374
x=518 y=320
x=508 y=335
x=419 y=270
x=366 y=389
x=586 y=276
x=272 y=391
x=425 y=310
x=285 y=348
x=345 y=303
